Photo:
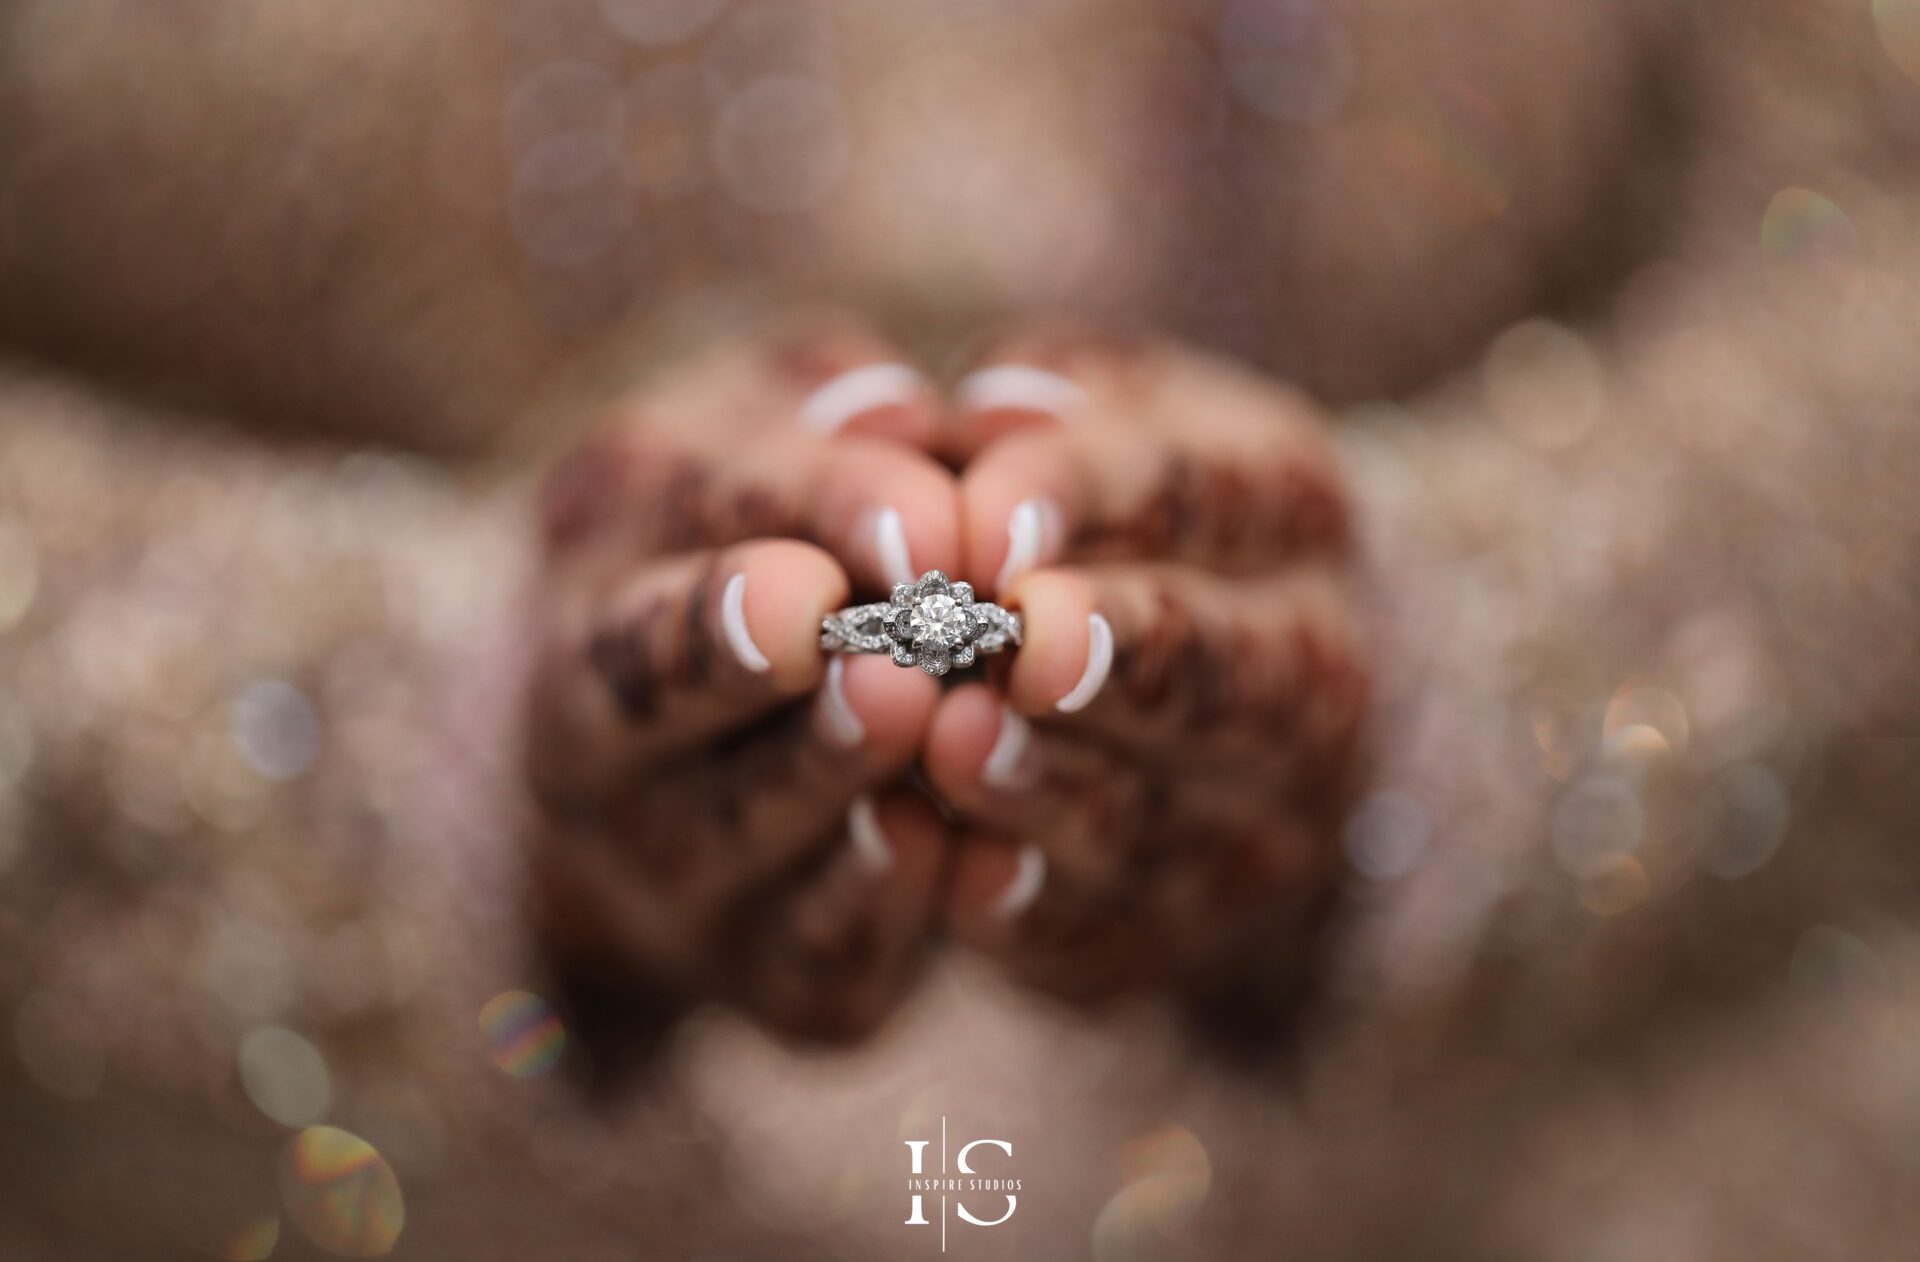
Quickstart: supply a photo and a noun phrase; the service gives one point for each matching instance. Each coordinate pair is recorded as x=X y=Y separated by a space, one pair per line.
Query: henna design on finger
x=1190 y=908
x=695 y=508
x=623 y=656
x=644 y=497
x=1243 y=512
x=656 y=650
x=755 y=512
x=696 y=646
x=1147 y=667
x=1266 y=673
x=673 y=495
x=583 y=492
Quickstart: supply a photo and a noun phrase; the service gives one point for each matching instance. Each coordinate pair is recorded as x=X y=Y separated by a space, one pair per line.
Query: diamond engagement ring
x=933 y=624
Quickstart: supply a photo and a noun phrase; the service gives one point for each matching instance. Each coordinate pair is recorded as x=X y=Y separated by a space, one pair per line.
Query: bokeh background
x=1612 y=306
x=409 y=222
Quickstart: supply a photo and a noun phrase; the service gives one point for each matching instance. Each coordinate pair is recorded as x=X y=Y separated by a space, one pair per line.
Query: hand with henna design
x=723 y=813
x=1148 y=794
x=1152 y=797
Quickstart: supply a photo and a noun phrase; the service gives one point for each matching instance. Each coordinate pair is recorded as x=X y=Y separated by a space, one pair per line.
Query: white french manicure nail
x=869 y=842
x=1028 y=877
x=843 y=726
x=733 y=623
x=1006 y=766
x=1020 y=386
x=1030 y=528
x=1099 y=662
x=858 y=390
x=890 y=545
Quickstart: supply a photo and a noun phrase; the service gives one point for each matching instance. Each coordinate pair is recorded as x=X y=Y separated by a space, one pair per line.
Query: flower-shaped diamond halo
x=934 y=624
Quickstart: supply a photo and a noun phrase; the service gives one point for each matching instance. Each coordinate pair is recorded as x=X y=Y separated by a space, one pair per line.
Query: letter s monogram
x=1013 y=1201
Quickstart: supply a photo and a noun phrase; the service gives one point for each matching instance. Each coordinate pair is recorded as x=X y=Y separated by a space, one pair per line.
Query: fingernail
x=890 y=545
x=859 y=390
x=1028 y=877
x=1031 y=527
x=1020 y=386
x=733 y=623
x=842 y=726
x=1099 y=662
x=869 y=842
x=1008 y=765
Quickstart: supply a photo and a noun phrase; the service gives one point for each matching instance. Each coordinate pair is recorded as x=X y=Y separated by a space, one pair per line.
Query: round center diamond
x=938 y=620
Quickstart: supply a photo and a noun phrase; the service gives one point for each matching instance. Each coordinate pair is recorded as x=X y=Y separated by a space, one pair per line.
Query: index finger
x=813 y=436
x=1168 y=455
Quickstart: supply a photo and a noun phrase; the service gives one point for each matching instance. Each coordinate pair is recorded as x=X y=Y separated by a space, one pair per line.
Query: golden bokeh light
x=341 y=1194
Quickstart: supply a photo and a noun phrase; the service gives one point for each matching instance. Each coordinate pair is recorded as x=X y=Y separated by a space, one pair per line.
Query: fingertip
x=1017 y=504
x=774 y=593
x=911 y=423
x=851 y=381
x=918 y=531
x=1099 y=663
x=1068 y=648
x=1012 y=394
x=983 y=867
x=881 y=399
x=733 y=624
x=1024 y=384
x=1024 y=380
x=994 y=883
x=893 y=514
x=962 y=737
x=891 y=706
x=1012 y=763
x=839 y=722
x=872 y=849
x=1022 y=889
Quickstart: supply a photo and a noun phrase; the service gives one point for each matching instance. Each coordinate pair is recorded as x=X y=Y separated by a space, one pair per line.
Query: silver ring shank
x=858 y=629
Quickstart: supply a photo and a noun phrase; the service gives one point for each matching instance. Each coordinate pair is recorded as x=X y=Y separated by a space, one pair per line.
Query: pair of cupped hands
x=1142 y=795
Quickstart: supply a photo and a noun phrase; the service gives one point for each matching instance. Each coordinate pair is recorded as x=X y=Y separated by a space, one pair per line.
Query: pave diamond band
x=933 y=624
